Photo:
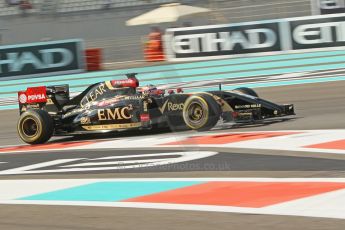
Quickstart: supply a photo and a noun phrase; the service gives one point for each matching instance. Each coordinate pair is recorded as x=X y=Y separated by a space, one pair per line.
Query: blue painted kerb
x=110 y=191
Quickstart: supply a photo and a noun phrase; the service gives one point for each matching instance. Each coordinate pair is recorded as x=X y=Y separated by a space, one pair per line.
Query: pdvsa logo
x=36 y=97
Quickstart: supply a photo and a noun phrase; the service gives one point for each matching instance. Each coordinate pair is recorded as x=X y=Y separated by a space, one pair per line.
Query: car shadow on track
x=227 y=126
x=131 y=133
x=111 y=135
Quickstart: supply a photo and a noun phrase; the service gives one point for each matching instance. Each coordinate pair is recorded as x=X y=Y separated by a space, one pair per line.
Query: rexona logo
x=123 y=113
x=175 y=107
x=170 y=106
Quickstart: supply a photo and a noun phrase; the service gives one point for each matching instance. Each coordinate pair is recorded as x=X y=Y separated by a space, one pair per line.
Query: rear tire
x=201 y=112
x=247 y=91
x=35 y=126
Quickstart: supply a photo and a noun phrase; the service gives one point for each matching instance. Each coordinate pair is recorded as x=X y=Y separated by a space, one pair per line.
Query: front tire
x=176 y=123
x=201 y=112
x=35 y=126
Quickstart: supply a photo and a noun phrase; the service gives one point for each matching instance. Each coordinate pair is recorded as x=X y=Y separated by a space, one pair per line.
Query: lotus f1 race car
x=122 y=105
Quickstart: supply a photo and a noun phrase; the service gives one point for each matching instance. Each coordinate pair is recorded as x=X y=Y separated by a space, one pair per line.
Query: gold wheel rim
x=30 y=127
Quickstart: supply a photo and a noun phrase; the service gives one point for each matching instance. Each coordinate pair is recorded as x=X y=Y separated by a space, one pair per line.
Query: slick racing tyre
x=174 y=118
x=247 y=91
x=201 y=112
x=35 y=126
x=176 y=123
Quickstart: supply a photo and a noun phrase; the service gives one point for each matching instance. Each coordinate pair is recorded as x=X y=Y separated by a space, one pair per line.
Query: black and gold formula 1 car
x=122 y=105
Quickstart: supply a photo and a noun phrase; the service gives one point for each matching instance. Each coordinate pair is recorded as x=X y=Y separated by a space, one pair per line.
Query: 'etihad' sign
x=225 y=41
x=208 y=41
x=41 y=58
x=221 y=41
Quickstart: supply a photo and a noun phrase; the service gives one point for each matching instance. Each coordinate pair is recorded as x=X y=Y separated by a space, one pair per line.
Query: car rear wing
x=39 y=96
x=33 y=95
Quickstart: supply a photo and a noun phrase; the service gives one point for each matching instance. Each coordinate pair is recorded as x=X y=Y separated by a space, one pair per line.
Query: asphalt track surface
x=318 y=106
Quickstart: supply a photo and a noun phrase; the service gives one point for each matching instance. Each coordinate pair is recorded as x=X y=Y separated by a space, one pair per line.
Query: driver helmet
x=149 y=88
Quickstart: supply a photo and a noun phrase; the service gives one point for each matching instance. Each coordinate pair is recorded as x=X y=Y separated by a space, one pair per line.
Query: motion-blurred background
x=102 y=23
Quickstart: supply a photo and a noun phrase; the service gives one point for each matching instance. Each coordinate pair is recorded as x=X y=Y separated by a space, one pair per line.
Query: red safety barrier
x=93 y=59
